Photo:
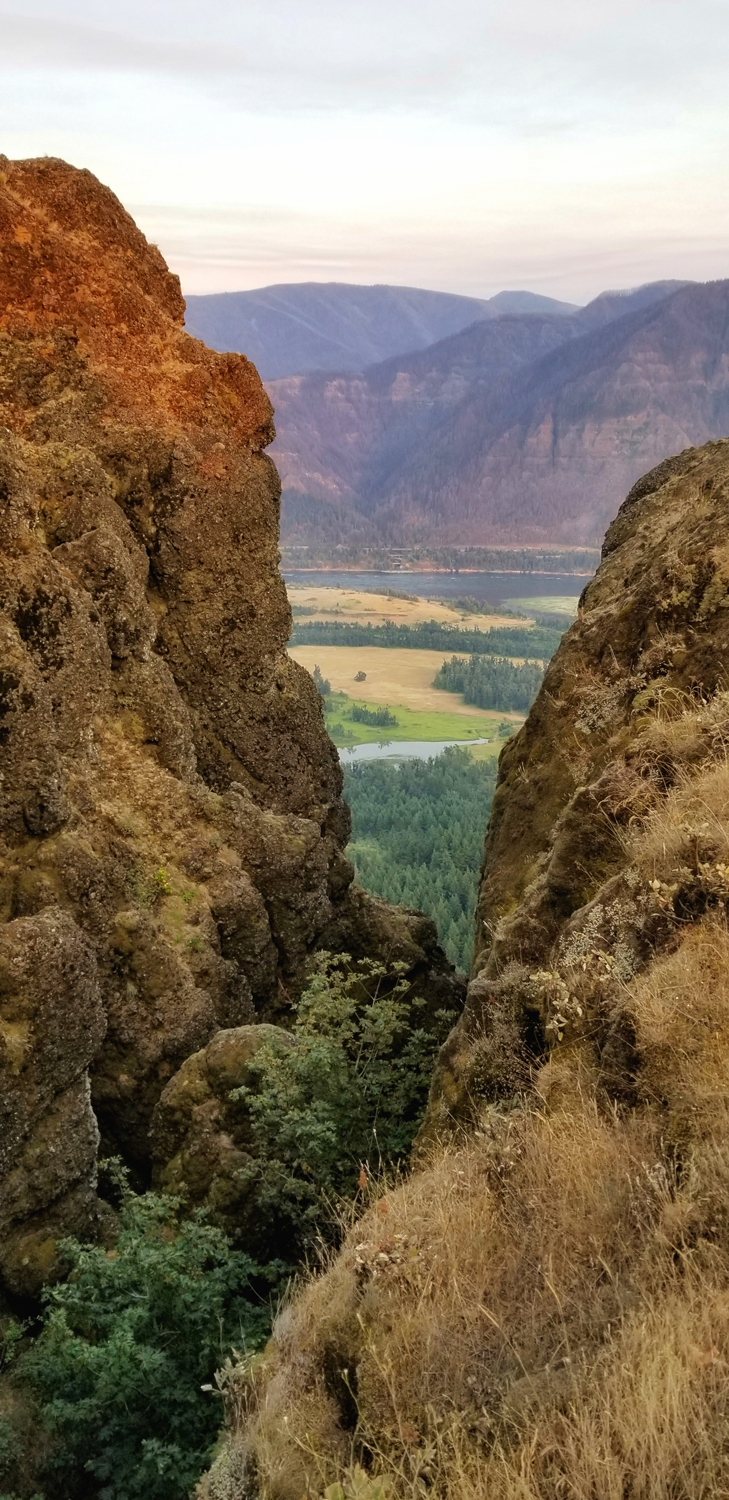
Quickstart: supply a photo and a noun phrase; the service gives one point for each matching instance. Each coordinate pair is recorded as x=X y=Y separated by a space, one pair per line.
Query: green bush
x=346 y=1100
x=124 y=1365
x=127 y=1343
x=9 y=1448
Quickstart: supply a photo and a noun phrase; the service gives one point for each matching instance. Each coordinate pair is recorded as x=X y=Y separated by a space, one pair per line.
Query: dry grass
x=357 y=606
x=537 y=1315
x=395 y=675
x=544 y=1312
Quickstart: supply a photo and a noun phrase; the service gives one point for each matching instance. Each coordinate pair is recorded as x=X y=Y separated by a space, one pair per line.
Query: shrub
x=9 y=1448
x=346 y=1100
x=127 y=1343
x=360 y=714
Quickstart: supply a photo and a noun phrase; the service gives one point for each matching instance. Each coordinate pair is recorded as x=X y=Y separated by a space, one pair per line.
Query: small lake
x=491 y=587
x=400 y=750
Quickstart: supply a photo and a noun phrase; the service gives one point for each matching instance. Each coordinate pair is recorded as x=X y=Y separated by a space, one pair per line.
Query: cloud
x=522 y=60
x=400 y=140
x=43 y=41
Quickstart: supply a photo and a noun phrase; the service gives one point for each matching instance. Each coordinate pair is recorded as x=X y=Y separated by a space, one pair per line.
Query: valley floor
x=401 y=680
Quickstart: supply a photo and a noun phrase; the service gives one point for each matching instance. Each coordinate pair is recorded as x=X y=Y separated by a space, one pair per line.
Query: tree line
x=492 y=681
x=377 y=717
x=451 y=559
x=431 y=635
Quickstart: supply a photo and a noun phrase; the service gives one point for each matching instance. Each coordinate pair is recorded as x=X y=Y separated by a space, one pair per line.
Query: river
x=491 y=587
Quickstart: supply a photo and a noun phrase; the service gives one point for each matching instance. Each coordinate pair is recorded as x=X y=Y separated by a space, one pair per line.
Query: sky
x=563 y=146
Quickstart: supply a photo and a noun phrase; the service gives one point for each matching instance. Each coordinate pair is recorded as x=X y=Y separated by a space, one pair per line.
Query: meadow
x=403 y=682
x=554 y=604
x=416 y=725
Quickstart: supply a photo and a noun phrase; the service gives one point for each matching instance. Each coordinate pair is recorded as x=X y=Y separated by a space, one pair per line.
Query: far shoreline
x=444 y=572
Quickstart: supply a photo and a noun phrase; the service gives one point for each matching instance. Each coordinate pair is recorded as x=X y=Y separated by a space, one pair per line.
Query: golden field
x=358 y=607
x=395 y=675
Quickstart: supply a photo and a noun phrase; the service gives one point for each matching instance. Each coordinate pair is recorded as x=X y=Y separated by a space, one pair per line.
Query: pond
x=400 y=750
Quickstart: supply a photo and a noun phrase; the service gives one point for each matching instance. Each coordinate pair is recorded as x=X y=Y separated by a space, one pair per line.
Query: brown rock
x=168 y=794
x=202 y=1141
x=650 y=642
x=51 y=1026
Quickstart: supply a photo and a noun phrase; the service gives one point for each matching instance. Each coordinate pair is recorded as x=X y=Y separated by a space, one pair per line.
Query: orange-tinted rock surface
x=169 y=801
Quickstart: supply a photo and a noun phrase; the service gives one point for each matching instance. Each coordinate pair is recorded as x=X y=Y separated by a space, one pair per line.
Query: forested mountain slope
x=521 y=430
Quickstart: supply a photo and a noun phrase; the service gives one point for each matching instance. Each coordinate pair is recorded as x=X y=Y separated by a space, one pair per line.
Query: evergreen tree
x=417 y=837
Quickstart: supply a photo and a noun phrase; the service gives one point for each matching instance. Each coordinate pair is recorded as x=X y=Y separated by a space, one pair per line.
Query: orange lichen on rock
x=73 y=256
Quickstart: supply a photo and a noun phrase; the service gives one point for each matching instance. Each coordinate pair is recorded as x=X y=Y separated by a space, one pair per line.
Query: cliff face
x=171 y=828
x=543 y=1308
x=596 y=756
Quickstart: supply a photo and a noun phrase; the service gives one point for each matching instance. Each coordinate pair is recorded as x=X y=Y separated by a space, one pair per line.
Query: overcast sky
x=471 y=145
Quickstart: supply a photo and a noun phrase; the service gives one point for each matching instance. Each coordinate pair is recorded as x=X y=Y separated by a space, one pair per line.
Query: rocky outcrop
x=594 y=758
x=171 y=826
x=542 y=1308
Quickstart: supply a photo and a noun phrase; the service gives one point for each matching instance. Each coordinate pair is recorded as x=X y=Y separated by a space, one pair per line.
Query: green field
x=554 y=604
x=414 y=724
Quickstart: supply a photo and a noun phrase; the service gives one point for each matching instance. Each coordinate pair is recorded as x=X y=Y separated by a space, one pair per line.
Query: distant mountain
x=529 y=302
x=520 y=429
x=611 y=305
x=291 y=330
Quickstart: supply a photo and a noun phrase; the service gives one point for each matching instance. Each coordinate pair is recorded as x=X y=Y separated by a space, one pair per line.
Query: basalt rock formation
x=171 y=826
x=542 y=1309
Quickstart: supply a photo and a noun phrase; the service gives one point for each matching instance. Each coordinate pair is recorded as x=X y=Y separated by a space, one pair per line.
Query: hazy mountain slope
x=548 y=454
x=342 y=438
x=289 y=330
x=530 y=302
x=329 y=325
x=519 y=429
x=611 y=305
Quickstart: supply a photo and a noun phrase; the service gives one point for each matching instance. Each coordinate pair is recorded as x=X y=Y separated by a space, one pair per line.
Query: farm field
x=394 y=675
x=358 y=607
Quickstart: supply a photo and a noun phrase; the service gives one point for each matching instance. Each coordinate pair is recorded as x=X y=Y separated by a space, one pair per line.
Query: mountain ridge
x=295 y=328
x=515 y=430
